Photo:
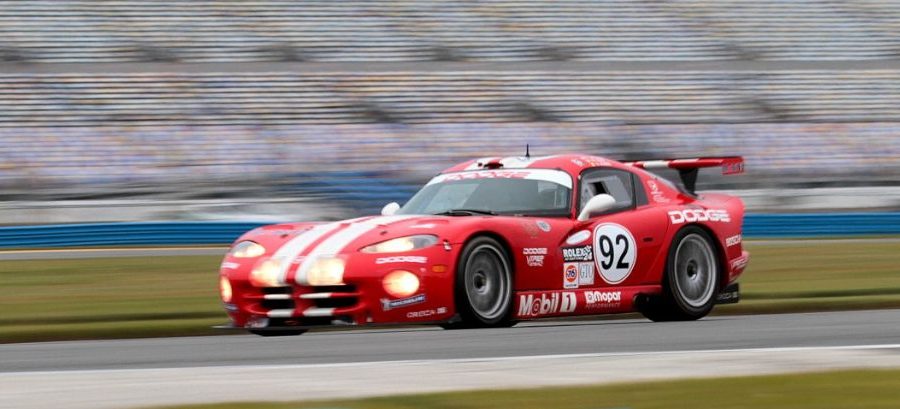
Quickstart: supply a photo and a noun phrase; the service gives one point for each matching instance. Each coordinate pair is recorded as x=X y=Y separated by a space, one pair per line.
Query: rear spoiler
x=688 y=168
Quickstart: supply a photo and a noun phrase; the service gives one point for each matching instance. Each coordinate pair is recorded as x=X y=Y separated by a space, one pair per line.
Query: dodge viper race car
x=494 y=241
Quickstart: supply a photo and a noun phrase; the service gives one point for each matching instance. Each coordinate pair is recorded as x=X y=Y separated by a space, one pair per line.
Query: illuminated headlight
x=267 y=273
x=400 y=283
x=402 y=244
x=247 y=249
x=326 y=271
x=225 y=289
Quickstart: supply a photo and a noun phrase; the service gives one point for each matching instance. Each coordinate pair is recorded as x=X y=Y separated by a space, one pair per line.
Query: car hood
x=292 y=240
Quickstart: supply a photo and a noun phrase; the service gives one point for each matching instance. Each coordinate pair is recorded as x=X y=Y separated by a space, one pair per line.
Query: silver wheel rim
x=695 y=270
x=487 y=282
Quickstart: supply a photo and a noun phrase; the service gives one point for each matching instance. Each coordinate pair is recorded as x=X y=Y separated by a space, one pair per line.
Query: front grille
x=342 y=296
x=278 y=298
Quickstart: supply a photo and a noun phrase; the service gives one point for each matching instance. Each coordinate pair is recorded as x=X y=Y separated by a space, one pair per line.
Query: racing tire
x=483 y=289
x=278 y=333
x=691 y=280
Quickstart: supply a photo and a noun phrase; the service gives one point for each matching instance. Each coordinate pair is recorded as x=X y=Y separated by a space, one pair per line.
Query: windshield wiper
x=465 y=212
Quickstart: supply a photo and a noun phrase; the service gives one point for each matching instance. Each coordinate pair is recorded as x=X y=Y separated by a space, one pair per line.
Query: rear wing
x=688 y=168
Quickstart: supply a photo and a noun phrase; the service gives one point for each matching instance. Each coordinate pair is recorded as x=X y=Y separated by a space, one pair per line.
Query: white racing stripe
x=293 y=248
x=334 y=244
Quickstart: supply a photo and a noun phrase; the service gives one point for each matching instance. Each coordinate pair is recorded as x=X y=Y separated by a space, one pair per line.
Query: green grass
x=108 y=297
x=163 y=296
x=872 y=389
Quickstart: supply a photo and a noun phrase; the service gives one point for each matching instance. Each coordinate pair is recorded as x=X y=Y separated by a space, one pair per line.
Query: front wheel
x=483 y=287
x=691 y=279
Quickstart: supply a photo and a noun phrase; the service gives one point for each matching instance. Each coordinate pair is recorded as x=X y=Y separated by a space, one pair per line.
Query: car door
x=620 y=246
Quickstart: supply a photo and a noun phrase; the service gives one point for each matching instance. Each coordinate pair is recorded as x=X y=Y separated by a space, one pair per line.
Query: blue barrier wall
x=184 y=233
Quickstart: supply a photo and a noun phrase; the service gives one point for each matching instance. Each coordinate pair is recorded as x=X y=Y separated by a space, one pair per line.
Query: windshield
x=526 y=192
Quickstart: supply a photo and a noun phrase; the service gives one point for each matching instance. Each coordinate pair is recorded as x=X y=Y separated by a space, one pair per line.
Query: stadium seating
x=440 y=97
x=423 y=30
x=362 y=133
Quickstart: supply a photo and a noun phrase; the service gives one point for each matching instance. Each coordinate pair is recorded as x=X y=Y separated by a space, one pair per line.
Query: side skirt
x=581 y=301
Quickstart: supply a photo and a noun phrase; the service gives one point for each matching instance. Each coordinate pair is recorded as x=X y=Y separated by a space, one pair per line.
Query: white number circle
x=614 y=252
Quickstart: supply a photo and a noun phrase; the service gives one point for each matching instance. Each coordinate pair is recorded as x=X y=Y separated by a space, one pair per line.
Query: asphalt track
x=129 y=373
x=533 y=338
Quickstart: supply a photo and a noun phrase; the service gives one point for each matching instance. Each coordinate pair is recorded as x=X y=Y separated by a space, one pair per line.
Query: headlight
x=247 y=249
x=225 y=289
x=400 y=283
x=326 y=271
x=402 y=244
x=267 y=273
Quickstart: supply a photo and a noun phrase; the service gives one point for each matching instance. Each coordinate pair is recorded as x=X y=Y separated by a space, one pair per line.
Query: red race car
x=494 y=241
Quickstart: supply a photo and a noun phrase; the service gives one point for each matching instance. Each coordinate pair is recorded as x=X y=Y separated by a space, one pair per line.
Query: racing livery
x=494 y=241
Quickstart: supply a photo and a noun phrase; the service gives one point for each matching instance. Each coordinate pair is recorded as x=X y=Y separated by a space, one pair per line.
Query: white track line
x=100 y=389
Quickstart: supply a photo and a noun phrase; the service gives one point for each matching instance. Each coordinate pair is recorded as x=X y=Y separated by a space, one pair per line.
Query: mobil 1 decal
x=614 y=252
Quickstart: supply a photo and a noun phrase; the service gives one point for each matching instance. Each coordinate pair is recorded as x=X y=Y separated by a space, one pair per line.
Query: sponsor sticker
x=546 y=303
x=578 y=237
x=570 y=276
x=615 y=252
x=487 y=174
x=401 y=259
x=585 y=273
x=602 y=299
x=699 y=215
x=388 y=305
x=534 y=256
x=531 y=230
x=229 y=265
x=656 y=193
x=733 y=240
x=740 y=263
x=427 y=313
x=544 y=226
x=581 y=253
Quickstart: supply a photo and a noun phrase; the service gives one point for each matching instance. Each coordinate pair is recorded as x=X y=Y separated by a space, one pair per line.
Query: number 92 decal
x=614 y=251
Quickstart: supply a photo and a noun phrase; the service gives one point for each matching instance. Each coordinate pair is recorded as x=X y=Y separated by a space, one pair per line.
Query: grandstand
x=91 y=31
x=268 y=98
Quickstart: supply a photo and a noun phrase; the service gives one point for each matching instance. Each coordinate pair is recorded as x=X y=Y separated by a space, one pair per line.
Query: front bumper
x=360 y=300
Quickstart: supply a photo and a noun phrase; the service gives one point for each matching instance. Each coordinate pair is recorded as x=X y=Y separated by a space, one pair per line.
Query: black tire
x=693 y=273
x=483 y=289
x=278 y=332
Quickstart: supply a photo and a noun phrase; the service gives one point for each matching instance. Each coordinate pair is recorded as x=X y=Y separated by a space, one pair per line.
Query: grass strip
x=869 y=389
x=126 y=297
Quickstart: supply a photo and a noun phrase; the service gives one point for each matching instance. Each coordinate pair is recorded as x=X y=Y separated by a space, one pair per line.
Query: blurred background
x=282 y=110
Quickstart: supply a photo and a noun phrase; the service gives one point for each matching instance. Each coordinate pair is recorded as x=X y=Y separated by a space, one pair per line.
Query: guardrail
x=221 y=233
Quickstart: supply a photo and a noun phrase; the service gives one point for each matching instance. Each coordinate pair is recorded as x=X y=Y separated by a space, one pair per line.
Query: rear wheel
x=691 y=279
x=483 y=287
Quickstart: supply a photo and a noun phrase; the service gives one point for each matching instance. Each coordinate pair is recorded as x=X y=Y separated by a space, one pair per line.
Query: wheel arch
x=503 y=243
x=717 y=246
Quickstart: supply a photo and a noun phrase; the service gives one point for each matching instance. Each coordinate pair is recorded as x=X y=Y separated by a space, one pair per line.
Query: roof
x=570 y=163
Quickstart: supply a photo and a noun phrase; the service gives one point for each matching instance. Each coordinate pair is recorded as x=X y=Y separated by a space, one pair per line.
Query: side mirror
x=390 y=208
x=598 y=204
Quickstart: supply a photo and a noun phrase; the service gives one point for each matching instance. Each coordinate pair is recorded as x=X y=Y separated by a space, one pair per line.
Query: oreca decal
x=615 y=252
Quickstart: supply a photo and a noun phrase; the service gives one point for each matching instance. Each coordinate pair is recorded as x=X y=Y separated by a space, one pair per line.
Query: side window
x=614 y=182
